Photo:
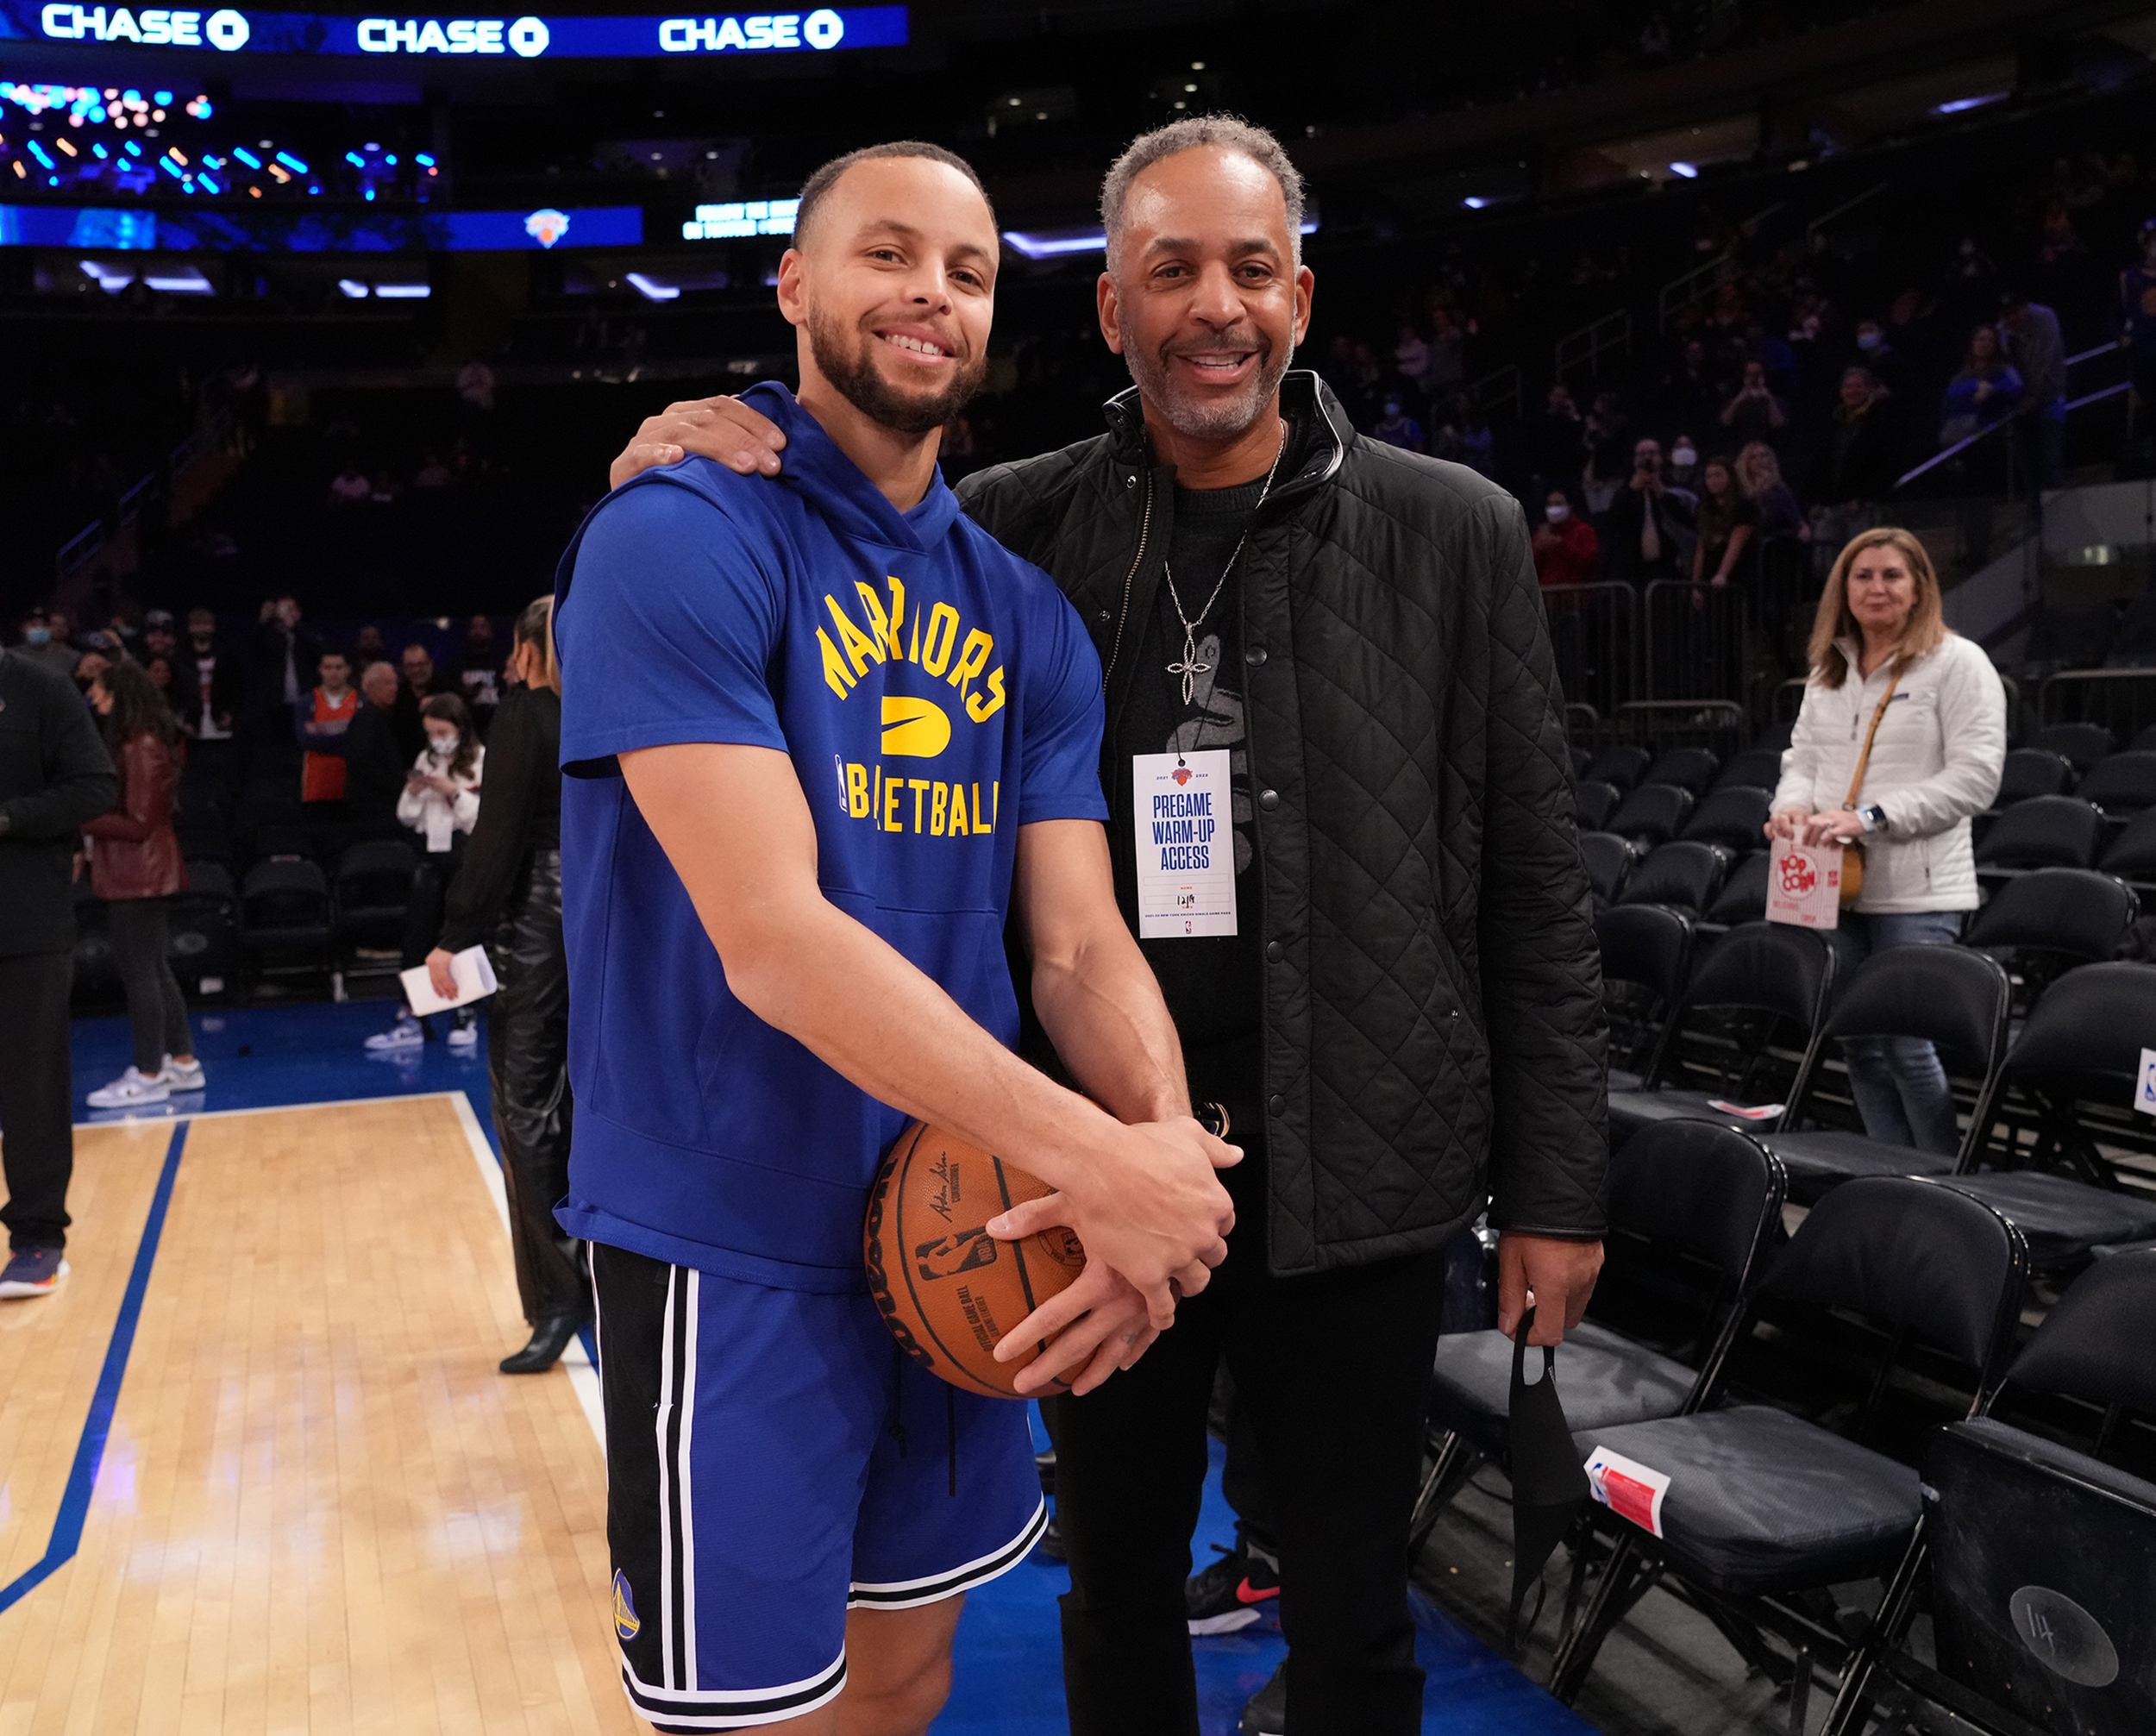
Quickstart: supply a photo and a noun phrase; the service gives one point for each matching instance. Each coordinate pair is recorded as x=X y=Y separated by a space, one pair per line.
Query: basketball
x=949 y=1290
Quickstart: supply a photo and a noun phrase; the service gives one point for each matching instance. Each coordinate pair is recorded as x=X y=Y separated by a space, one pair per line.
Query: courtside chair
x=1950 y=997
x=2031 y=772
x=1759 y=993
x=1756 y=768
x=1684 y=873
x=1594 y=802
x=2051 y=919
x=1653 y=814
x=2043 y=1603
x=1763 y=1506
x=1743 y=894
x=2123 y=786
x=1691 y=769
x=2082 y=744
x=205 y=930
x=1609 y=861
x=1685 y=1197
x=373 y=895
x=1734 y=818
x=1775 y=738
x=285 y=919
x=1622 y=765
x=2132 y=854
x=2067 y=1090
x=1646 y=950
x=2044 y=831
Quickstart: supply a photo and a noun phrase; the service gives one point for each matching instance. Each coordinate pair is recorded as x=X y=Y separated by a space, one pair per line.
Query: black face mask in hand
x=1549 y=1484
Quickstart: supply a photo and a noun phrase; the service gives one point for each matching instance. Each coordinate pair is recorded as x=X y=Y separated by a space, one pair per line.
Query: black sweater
x=54 y=774
x=520 y=811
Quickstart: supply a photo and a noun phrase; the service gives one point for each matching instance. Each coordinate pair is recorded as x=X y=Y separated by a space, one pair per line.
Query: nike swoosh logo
x=1247 y=1593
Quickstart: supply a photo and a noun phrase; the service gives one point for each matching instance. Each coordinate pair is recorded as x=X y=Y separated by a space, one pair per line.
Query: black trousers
x=37 y=1135
x=527 y=1066
x=157 y=1012
x=1332 y=1379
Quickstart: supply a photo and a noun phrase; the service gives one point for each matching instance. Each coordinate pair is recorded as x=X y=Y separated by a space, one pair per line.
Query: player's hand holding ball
x=1150 y=1208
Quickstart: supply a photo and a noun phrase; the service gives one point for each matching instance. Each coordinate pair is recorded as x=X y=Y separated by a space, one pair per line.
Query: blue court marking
x=90 y=1451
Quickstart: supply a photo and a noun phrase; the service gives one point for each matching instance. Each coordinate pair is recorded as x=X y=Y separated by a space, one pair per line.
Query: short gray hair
x=1230 y=133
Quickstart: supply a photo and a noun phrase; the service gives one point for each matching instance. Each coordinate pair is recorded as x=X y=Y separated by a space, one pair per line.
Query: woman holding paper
x=441 y=803
x=1901 y=739
x=509 y=895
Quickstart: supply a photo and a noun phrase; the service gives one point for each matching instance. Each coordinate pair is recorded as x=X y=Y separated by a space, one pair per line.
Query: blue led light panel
x=304 y=229
x=407 y=36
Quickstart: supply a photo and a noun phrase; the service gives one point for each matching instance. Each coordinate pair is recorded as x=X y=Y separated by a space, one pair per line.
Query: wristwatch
x=1874 y=817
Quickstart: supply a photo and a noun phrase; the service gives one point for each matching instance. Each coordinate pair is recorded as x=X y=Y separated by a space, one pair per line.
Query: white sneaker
x=188 y=1078
x=131 y=1090
x=404 y=1034
x=465 y=1035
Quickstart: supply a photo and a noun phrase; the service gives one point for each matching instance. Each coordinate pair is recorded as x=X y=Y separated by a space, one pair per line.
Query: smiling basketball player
x=823 y=733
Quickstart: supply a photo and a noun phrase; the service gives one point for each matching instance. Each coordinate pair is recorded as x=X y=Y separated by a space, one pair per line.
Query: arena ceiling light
x=110 y=278
x=1081 y=238
x=1688 y=172
x=403 y=292
x=1961 y=105
x=353 y=289
x=183 y=280
x=651 y=289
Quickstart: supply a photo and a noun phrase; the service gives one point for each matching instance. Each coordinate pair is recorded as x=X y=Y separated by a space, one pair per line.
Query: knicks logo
x=1182 y=775
x=626 y=1621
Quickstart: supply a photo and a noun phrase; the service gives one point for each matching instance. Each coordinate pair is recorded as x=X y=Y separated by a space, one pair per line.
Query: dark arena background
x=321 y=332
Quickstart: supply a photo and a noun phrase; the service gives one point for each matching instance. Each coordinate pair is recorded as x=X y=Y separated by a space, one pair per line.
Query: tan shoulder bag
x=1852 y=851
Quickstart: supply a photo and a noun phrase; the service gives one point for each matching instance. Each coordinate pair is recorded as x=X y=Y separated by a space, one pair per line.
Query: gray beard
x=1222 y=420
x=854 y=376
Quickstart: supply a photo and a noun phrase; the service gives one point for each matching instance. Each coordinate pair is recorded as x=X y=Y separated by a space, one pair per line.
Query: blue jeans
x=1900 y=1087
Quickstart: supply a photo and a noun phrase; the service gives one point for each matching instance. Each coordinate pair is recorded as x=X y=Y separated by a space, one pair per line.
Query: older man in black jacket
x=1397 y=1004
x=54 y=774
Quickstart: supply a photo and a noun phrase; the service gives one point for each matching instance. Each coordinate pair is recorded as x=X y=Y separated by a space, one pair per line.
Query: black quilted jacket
x=1434 y=1027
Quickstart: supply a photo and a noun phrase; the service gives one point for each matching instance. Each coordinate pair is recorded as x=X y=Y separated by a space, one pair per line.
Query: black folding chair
x=2083 y=744
x=1952 y=997
x=1691 y=769
x=1594 y=802
x=1682 y=1195
x=373 y=895
x=1653 y=814
x=1764 y=1506
x=2043 y=1603
x=2067 y=1088
x=2132 y=854
x=1756 y=768
x=2049 y=920
x=285 y=917
x=2031 y=772
x=2123 y=786
x=203 y=921
x=1684 y=873
x=1609 y=861
x=1753 y=981
x=1622 y=765
x=2044 y=831
x=1735 y=818
x=1646 y=950
x=1743 y=894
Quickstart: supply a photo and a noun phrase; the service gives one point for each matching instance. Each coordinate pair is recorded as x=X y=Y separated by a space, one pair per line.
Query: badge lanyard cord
x=1190 y=668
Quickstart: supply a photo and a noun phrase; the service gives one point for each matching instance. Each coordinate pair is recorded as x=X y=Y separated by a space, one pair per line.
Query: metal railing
x=1501 y=386
x=1841 y=211
x=1722 y=725
x=1608 y=335
x=1694 y=641
x=78 y=550
x=1595 y=633
x=2007 y=421
x=2122 y=700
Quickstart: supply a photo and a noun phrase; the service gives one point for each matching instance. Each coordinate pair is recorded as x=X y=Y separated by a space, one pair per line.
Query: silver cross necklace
x=1190 y=668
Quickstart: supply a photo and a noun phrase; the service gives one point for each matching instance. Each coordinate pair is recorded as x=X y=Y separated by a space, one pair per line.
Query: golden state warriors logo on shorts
x=626 y=1621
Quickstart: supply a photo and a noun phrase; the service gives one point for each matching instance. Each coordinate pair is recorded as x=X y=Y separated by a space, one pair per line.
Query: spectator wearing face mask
x=44 y=640
x=441 y=803
x=1683 y=465
x=1878 y=355
x=1396 y=428
x=1566 y=549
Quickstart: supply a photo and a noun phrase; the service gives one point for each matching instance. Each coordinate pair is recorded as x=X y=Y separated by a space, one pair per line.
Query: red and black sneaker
x=1233 y=1592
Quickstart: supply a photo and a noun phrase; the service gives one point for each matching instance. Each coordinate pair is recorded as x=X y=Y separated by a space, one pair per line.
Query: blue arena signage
x=310 y=229
x=229 y=30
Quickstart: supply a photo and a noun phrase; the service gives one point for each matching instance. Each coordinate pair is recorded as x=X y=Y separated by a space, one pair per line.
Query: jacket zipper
x=1145 y=529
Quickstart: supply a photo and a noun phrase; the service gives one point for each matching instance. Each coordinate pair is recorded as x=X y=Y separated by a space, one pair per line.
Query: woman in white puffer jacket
x=1936 y=761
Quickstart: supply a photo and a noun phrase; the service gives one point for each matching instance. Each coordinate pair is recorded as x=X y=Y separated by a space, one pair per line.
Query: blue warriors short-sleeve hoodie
x=934 y=692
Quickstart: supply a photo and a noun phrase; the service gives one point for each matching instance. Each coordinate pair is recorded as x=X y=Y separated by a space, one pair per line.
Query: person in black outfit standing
x=1404 y=1020
x=510 y=892
x=54 y=776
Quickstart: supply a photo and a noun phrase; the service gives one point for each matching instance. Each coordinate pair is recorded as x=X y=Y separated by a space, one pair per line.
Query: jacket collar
x=1317 y=423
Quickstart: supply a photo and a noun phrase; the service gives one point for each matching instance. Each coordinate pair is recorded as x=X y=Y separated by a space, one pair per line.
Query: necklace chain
x=1190 y=668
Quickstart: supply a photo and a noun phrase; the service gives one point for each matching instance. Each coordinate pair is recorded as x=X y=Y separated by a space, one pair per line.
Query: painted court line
x=90 y=1449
